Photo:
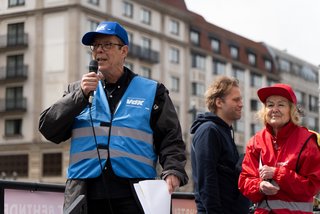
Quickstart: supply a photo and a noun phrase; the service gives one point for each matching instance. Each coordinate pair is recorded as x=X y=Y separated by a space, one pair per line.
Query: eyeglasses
x=105 y=46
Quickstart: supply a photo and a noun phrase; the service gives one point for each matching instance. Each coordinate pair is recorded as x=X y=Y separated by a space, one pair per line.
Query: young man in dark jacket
x=214 y=153
x=118 y=136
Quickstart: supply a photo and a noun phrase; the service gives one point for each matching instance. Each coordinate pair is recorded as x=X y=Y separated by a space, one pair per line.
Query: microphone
x=93 y=67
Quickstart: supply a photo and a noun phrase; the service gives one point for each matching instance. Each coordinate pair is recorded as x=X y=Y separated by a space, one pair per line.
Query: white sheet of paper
x=154 y=196
x=142 y=198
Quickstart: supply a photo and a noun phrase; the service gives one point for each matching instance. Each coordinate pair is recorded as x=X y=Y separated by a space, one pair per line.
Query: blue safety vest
x=128 y=132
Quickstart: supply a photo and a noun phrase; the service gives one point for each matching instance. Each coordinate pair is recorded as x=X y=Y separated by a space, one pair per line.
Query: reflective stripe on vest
x=289 y=205
x=104 y=155
x=115 y=131
x=131 y=138
x=103 y=131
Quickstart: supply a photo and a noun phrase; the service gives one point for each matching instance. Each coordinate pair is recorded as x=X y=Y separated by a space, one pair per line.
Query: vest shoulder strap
x=317 y=134
x=304 y=145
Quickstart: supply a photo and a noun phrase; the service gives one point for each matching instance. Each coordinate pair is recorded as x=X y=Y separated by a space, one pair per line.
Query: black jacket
x=56 y=124
x=214 y=158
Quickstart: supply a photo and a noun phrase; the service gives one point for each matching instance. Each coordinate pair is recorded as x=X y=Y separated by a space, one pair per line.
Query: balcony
x=13 y=42
x=145 y=54
x=13 y=74
x=13 y=105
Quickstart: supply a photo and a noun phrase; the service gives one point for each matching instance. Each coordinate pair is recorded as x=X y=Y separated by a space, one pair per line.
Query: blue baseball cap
x=106 y=28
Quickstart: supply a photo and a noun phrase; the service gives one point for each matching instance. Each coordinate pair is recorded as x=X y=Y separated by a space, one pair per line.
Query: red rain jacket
x=299 y=180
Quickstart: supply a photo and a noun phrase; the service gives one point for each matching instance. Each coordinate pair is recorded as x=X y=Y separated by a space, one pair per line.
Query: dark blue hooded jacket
x=214 y=158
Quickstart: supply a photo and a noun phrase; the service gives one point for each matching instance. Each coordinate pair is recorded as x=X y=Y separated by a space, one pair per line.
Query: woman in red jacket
x=280 y=171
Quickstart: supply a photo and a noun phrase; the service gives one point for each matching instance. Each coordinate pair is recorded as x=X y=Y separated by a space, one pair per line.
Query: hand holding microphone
x=90 y=80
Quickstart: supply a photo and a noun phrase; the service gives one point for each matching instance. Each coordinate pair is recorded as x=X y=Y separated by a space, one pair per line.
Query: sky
x=290 y=25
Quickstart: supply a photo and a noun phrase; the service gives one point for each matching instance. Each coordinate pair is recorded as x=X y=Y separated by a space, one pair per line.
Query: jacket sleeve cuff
x=259 y=190
x=276 y=174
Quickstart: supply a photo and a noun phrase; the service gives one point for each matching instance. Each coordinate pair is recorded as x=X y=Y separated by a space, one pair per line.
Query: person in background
x=117 y=140
x=214 y=154
x=280 y=171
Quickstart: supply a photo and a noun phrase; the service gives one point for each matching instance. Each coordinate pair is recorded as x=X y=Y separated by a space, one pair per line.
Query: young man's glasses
x=105 y=46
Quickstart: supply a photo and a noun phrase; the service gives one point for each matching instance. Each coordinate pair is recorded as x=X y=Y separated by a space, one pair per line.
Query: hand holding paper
x=154 y=196
x=173 y=182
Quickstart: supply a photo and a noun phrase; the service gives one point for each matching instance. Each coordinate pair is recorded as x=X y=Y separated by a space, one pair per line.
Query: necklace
x=110 y=92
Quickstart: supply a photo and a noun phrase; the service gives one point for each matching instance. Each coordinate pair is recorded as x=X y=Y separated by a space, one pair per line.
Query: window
x=238 y=73
x=239 y=125
x=198 y=61
x=146 y=43
x=15 y=34
x=175 y=84
x=268 y=65
x=193 y=111
x=146 y=72
x=300 y=97
x=312 y=123
x=254 y=105
x=219 y=68
x=128 y=9
x=145 y=49
x=254 y=128
x=271 y=82
x=255 y=80
x=309 y=74
x=195 y=37
x=174 y=55
x=146 y=16
x=14 y=3
x=197 y=89
x=93 y=25
x=313 y=103
x=14 y=98
x=15 y=66
x=13 y=127
x=215 y=45
x=252 y=59
x=174 y=27
x=52 y=164
x=94 y=2
x=14 y=164
x=296 y=69
x=284 y=65
x=234 y=52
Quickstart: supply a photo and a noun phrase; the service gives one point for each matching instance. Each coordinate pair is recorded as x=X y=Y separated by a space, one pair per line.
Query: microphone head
x=93 y=66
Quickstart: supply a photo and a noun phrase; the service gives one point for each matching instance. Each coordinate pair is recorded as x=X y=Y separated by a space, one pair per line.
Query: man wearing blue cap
x=117 y=139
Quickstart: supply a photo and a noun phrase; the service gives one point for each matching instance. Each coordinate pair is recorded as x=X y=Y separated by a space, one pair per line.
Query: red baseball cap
x=279 y=89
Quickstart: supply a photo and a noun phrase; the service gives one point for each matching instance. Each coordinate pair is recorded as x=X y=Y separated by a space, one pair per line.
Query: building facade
x=41 y=52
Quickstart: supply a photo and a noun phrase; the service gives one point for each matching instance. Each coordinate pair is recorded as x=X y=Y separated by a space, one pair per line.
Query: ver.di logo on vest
x=135 y=102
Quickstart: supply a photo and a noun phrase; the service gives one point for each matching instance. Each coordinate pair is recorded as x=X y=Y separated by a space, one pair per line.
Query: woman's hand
x=266 y=172
x=268 y=188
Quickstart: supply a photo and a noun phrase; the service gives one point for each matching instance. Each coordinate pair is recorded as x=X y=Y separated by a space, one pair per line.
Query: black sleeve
x=168 y=141
x=56 y=122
